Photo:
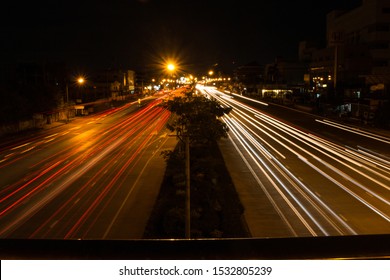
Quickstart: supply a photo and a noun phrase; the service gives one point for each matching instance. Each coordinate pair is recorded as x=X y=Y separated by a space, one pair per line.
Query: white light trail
x=362 y=162
x=301 y=137
x=290 y=175
x=254 y=155
x=251 y=99
x=380 y=213
x=20 y=146
x=306 y=146
x=384 y=160
x=355 y=130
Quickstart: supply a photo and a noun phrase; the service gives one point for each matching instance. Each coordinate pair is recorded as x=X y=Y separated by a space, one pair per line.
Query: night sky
x=142 y=34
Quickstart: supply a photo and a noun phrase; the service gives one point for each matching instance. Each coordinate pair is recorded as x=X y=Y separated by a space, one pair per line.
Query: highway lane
x=318 y=185
x=82 y=180
x=343 y=134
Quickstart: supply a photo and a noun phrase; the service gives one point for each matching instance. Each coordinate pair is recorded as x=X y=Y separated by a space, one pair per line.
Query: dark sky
x=138 y=34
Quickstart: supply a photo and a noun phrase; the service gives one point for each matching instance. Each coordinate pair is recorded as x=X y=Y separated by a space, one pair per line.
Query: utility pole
x=336 y=39
x=336 y=52
x=67 y=94
x=188 y=188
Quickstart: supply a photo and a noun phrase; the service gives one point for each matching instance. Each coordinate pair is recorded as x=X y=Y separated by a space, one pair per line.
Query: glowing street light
x=211 y=72
x=171 y=67
x=81 y=80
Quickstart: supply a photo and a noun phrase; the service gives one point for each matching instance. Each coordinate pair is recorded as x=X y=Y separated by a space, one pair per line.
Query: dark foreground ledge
x=348 y=247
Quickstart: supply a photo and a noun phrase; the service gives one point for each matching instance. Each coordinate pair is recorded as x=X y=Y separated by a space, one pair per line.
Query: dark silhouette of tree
x=13 y=106
x=198 y=118
x=22 y=102
x=30 y=88
x=196 y=121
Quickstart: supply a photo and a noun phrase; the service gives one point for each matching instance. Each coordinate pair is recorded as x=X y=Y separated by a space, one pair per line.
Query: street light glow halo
x=80 y=80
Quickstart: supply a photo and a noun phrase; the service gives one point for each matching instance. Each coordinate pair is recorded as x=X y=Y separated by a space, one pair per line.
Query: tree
x=22 y=100
x=197 y=118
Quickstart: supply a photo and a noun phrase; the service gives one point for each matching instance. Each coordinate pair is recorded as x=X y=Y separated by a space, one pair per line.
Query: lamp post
x=211 y=72
x=188 y=188
x=80 y=82
x=152 y=87
x=171 y=68
x=67 y=94
x=67 y=101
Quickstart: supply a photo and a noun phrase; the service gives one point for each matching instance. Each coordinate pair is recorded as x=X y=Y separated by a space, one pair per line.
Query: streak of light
x=290 y=175
x=380 y=213
x=47 y=141
x=50 y=136
x=20 y=146
x=44 y=200
x=356 y=131
x=347 y=177
x=375 y=156
x=113 y=182
x=119 y=135
x=251 y=99
x=286 y=171
x=316 y=197
x=248 y=119
x=324 y=147
x=126 y=198
x=73 y=199
x=22 y=187
x=350 y=154
x=257 y=160
x=53 y=192
x=256 y=177
x=308 y=142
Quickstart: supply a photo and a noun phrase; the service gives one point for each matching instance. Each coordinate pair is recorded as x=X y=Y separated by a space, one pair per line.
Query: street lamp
x=211 y=72
x=171 y=68
x=80 y=80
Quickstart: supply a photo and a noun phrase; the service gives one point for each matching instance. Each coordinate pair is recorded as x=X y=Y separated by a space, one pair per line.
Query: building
x=111 y=84
x=354 y=66
x=358 y=46
x=366 y=26
x=247 y=78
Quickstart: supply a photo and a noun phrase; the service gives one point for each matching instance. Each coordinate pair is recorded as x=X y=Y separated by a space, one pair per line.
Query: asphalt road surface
x=96 y=177
x=299 y=175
